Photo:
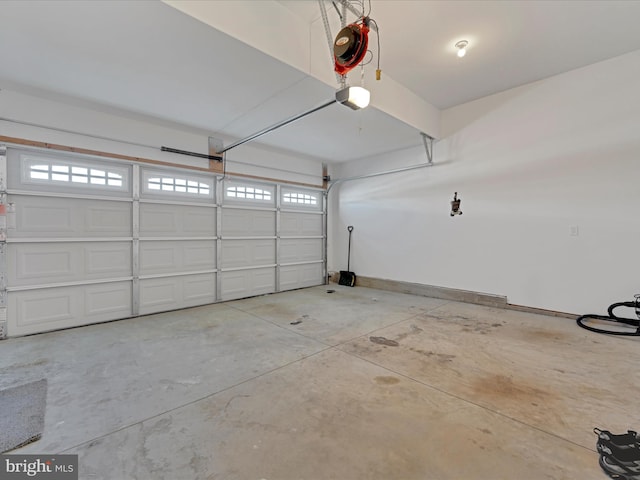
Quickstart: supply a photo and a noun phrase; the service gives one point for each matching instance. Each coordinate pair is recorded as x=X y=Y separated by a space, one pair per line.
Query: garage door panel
x=41 y=307
x=199 y=255
x=199 y=289
x=171 y=293
x=243 y=223
x=31 y=263
x=112 y=259
x=300 y=250
x=53 y=217
x=42 y=218
x=176 y=256
x=156 y=293
x=234 y=285
x=157 y=257
x=292 y=224
x=159 y=220
x=38 y=310
x=246 y=253
x=154 y=220
x=106 y=219
x=42 y=263
x=201 y=221
x=107 y=301
x=299 y=276
x=247 y=283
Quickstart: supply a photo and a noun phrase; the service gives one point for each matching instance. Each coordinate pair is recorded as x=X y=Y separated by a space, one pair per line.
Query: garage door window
x=248 y=192
x=182 y=185
x=299 y=198
x=57 y=172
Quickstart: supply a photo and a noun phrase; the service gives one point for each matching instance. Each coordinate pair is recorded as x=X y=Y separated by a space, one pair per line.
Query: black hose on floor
x=612 y=317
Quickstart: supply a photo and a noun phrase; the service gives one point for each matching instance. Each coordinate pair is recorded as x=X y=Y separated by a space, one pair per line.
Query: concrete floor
x=356 y=384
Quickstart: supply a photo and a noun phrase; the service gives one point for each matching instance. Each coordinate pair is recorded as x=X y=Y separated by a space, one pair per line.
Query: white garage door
x=301 y=237
x=272 y=239
x=87 y=240
x=177 y=240
x=69 y=242
x=248 y=257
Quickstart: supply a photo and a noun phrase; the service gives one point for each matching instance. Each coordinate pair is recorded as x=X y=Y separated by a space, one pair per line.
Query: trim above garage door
x=214 y=166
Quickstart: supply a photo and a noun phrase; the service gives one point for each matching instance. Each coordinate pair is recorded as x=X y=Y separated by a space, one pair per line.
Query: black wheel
x=609 y=468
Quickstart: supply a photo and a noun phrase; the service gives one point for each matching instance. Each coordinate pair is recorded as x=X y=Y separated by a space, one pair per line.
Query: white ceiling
x=148 y=58
x=511 y=42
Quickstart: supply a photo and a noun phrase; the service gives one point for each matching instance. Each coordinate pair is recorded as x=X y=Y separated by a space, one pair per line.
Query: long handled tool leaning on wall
x=346 y=277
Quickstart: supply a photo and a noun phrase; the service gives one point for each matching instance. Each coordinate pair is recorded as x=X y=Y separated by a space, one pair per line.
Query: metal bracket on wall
x=217 y=158
x=428 y=146
x=215 y=145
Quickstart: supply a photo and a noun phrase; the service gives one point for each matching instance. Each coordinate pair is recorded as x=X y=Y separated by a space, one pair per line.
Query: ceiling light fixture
x=462 y=48
x=353 y=97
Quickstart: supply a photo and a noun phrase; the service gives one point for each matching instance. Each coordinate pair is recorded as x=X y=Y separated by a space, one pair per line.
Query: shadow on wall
x=459 y=117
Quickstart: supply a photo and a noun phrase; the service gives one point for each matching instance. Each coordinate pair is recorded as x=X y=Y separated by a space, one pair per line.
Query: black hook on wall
x=455 y=205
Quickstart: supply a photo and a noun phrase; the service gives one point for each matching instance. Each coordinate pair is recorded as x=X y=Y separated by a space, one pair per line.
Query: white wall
x=529 y=164
x=45 y=117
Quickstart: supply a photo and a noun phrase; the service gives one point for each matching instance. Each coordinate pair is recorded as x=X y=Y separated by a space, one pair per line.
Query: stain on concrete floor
x=384 y=341
x=386 y=380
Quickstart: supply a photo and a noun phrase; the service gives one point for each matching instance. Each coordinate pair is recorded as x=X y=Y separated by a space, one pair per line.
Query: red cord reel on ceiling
x=350 y=46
